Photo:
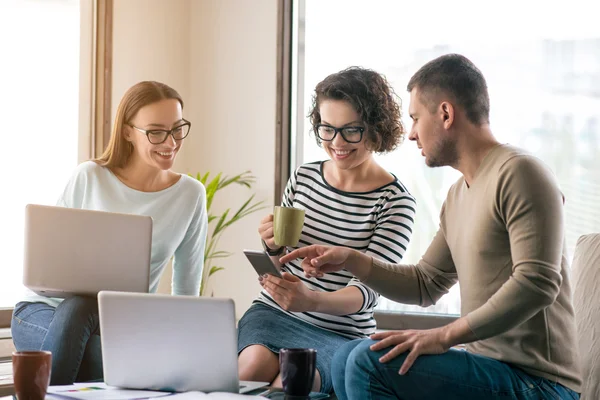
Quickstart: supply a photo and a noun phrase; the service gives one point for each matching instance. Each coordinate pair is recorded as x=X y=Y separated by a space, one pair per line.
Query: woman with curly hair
x=349 y=200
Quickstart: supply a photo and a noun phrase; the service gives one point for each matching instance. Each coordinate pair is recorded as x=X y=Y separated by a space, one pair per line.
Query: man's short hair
x=456 y=76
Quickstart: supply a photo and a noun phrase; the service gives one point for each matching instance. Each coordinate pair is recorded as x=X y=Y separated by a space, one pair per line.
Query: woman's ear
x=126 y=131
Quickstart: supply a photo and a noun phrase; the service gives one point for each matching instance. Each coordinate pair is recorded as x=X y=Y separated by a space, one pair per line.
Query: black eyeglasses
x=351 y=134
x=158 y=136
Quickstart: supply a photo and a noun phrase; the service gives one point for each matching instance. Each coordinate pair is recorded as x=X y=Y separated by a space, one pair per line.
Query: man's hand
x=319 y=260
x=416 y=342
x=290 y=293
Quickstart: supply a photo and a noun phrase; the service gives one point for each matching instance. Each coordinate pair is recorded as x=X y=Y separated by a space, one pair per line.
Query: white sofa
x=586 y=280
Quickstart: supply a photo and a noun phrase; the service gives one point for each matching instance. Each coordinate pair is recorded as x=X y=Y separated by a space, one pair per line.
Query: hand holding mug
x=265 y=230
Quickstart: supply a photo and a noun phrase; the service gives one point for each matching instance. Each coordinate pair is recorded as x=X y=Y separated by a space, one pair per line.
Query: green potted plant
x=220 y=222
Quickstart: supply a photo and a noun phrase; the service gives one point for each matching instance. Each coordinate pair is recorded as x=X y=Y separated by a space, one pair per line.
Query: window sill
x=6 y=380
x=389 y=320
x=6 y=345
x=5 y=317
x=5 y=333
x=6 y=349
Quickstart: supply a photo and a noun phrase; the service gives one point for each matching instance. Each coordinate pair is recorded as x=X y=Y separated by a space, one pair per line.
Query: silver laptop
x=172 y=343
x=80 y=252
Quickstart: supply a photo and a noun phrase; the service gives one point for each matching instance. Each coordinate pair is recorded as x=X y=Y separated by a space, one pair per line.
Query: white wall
x=221 y=56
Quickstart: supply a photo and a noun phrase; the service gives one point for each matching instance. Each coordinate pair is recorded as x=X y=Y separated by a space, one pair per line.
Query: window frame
x=95 y=89
x=398 y=320
x=283 y=98
x=386 y=320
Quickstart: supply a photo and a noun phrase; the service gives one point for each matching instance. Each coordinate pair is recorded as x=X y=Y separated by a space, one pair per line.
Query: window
x=542 y=66
x=40 y=105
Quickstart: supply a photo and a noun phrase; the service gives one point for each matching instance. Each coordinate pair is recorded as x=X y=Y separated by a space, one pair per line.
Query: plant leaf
x=202 y=285
x=241 y=209
x=204 y=178
x=220 y=223
x=224 y=220
x=220 y=254
x=214 y=270
x=210 y=248
x=244 y=179
x=211 y=189
x=246 y=209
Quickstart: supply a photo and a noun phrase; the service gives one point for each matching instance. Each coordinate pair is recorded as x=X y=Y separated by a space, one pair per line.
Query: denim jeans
x=358 y=374
x=69 y=331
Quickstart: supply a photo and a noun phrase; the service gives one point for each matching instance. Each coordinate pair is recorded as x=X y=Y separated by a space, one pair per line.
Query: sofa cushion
x=586 y=279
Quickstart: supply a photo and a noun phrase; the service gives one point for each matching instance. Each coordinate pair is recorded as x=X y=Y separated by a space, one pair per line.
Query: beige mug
x=287 y=225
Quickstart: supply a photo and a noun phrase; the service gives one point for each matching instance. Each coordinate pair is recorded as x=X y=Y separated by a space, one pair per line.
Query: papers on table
x=101 y=391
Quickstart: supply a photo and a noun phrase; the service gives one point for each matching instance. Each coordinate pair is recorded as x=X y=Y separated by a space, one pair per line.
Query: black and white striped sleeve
x=389 y=240
x=287 y=200
x=394 y=228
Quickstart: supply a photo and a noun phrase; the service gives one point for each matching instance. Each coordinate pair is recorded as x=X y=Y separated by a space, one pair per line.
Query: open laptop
x=80 y=252
x=173 y=343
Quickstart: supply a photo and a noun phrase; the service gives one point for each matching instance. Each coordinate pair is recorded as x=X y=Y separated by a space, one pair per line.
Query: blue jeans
x=358 y=374
x=70 y=331
x=276 y=330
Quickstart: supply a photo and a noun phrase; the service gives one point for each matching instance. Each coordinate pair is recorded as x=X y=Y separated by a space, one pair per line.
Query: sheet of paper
x=100 y=391
x=212 y=396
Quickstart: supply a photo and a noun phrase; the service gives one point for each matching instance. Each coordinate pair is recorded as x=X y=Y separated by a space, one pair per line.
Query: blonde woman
x=132 y=176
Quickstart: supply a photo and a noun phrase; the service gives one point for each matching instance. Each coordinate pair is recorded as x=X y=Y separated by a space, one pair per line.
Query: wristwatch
x=271 y=252
x=277 y=252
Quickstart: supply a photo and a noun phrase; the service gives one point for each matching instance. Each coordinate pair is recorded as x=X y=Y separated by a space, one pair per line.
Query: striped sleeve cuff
x=370 y=298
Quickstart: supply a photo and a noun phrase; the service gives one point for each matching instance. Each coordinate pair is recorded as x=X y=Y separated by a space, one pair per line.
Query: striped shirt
x=378 y=223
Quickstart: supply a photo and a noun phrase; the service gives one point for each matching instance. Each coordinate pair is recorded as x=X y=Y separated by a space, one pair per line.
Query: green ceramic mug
x=287 y=225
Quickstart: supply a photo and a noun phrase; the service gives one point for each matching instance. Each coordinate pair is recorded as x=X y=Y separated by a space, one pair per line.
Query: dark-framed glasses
x=158 y=136
x=351 y=134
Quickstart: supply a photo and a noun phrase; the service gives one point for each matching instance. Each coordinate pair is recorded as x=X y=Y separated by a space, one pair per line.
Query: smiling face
x=429 y=130
x=340 y=114
x=164 y=115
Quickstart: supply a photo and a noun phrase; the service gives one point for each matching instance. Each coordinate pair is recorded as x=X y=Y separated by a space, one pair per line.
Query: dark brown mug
x=297 y=368
x=31 y=374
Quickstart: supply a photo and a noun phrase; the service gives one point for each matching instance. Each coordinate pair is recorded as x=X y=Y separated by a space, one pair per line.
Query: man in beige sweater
x=501 y=236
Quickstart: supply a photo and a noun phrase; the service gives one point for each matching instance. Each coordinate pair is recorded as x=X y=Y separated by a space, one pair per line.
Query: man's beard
x=444 y=153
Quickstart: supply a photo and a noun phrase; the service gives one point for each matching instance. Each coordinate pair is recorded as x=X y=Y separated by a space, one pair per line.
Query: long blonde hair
x=119 y=149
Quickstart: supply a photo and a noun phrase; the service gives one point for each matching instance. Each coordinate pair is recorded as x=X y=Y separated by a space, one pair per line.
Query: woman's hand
x=319 y=260
x=265 y=230
x=290 y=292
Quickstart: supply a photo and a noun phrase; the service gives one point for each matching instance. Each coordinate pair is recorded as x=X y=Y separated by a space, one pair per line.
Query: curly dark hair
x=373 y=99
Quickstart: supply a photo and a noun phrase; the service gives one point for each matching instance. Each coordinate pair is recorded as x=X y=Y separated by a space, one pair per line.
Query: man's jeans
x=70 y=331
x=358 y=374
